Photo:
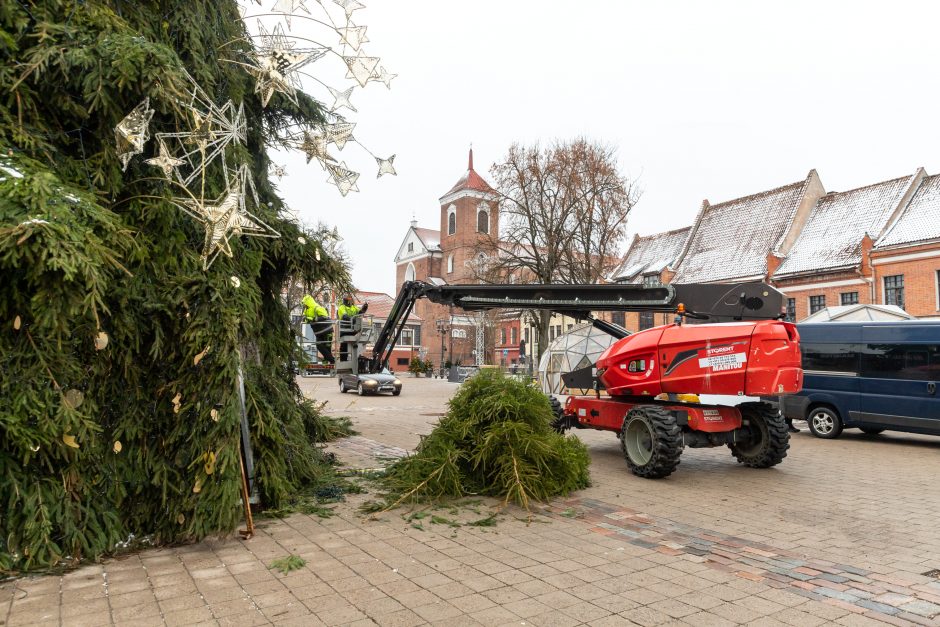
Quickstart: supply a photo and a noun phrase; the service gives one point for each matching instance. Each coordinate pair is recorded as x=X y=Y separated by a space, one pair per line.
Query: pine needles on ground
x=289 y=563
x=495 y=440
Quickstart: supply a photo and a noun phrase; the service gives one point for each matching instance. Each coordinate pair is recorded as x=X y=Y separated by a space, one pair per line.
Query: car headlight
x=397 y=382
x=370 y=382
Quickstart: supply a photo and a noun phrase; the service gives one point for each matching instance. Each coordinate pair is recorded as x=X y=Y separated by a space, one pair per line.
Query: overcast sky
x=701 y=100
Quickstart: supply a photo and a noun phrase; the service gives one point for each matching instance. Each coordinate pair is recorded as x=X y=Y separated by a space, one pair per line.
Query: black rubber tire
x=871 y=430
x=559 y=424
x=342 y=386
x=396 y=393
x=360 y=390
x=772 y=438
x=665 y=446
x=819 y=416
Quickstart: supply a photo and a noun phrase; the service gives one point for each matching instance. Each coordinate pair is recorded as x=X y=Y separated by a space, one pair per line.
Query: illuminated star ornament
x=314 y=145
x=289 y=8
x=353 y=36
x=339 y=133
x=386 y=166
x=132 y=132
x=361 y=67
x=225 y=217
x=279 y=171
x=384 y=76
x=343 y=178
x=275 y=64
x=349 y=6
x=341 y=99
x=164 y=160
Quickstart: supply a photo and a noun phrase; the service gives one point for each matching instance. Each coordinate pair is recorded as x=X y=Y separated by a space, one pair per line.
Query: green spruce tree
x=140 y=436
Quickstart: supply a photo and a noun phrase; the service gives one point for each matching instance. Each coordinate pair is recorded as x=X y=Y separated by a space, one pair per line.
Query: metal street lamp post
x=443 y=327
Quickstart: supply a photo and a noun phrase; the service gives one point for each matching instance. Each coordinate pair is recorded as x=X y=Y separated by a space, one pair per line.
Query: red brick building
x=877 y=244
x=469 y=213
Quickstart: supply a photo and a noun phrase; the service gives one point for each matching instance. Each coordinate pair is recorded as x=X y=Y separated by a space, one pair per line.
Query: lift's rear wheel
x=651 y=442
x=769 y=439
x=559 y=424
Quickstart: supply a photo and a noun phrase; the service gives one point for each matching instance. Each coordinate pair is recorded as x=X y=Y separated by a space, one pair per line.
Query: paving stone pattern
x=841 y=533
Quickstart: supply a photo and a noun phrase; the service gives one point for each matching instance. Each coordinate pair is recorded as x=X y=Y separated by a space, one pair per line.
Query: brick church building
x=450 y=254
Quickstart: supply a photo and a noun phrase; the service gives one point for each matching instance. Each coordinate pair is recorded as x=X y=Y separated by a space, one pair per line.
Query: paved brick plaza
x=840 y=533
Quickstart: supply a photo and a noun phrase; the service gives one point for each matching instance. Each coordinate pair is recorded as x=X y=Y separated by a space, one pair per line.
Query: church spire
x=470 y=166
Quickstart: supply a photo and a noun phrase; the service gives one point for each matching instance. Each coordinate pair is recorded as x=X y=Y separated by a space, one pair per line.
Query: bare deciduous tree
x=563 y=216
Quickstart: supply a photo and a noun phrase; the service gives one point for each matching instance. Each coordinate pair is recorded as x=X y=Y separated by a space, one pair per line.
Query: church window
x=483 y=219
x=410 y=272
x=451 y=222
x=411 y=247
x=450 y=264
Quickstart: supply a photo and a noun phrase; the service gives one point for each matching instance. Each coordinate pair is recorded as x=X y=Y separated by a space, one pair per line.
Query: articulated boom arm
x=710 y=302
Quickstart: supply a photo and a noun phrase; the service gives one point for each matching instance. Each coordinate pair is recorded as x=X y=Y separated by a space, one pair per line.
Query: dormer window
x=483 y=219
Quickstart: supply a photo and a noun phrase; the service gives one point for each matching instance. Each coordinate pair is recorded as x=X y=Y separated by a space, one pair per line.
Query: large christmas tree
x=120 y=351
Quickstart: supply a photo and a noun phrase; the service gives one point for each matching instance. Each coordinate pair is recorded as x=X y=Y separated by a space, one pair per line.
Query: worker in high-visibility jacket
x=318 y=318
x=347 y=312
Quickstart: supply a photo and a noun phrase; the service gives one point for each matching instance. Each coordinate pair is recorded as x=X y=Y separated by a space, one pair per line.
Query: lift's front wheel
x=769 y=438
x=559 y=423
x=651 y=442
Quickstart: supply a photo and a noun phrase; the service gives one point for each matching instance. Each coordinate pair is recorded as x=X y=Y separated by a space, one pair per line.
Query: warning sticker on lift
x=721 y=358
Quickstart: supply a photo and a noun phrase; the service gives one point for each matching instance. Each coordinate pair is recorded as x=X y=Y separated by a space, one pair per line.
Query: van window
x=830 y=357
x=895 y=361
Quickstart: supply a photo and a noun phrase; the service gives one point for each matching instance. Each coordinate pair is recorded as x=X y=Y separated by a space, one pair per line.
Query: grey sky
x=702 y=100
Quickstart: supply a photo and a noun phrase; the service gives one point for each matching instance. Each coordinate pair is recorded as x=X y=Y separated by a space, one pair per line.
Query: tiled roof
x=650 y=253
x=832 y=236
x=470 y=180
x=731 y=240
x=920 y=219
x=430 y=237
x=380 y=305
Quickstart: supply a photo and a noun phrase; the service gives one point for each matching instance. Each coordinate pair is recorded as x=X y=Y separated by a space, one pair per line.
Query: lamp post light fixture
x=443 y=327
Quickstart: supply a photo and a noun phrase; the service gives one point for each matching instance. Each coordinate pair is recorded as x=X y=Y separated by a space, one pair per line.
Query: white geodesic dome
x=578 y=348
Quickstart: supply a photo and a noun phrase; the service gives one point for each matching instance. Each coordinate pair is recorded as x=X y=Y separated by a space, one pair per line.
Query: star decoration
x=353 y=36
x=349 y=6
x=386 y=166
x=275 y=64
x=132 y=132
x=383 y=75
x=361 y=67
x=341 y=99
x=279 y=171
x=344 y=179
x=225 y=217
x=289 y=7
x=339 y=133
x=213 y=129
x=314 y=145
x=164 y=160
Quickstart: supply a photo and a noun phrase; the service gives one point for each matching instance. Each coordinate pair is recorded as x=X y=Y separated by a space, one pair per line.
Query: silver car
x=364 y=384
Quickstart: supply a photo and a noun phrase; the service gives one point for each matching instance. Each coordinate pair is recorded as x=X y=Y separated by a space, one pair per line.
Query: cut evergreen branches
x=495 y=440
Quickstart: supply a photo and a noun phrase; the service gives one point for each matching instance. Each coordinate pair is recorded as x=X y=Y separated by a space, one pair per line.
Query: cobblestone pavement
x=841 y=533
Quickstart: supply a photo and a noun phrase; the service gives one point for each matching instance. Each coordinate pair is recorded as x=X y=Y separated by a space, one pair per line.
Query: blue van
x=870 y=375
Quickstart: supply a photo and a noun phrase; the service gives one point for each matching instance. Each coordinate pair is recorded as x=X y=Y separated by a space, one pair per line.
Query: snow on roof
x=845 y=313
x=380 y=305
x=832 y=236
x=650 y=253
x=429 y=237
x=732 y=239
x=920 y=219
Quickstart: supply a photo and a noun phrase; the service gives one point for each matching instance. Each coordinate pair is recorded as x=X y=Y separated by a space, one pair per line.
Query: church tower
x=469 y=217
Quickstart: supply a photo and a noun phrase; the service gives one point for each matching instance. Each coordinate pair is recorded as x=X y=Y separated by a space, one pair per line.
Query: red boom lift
x=743 y=350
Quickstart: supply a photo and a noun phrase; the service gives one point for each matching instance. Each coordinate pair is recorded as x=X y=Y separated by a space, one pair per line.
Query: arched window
x=483 y=219
x=451 y=221
x=410 y=272
x=450 y=264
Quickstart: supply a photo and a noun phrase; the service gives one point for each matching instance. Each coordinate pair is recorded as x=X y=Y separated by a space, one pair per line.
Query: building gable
x=731 y=240
x=413 y=246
